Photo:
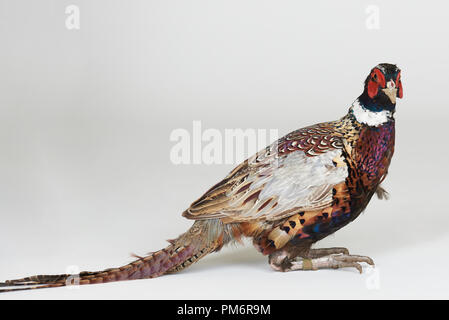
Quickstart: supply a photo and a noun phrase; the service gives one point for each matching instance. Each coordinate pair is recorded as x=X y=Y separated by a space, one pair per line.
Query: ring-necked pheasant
x=288 y=196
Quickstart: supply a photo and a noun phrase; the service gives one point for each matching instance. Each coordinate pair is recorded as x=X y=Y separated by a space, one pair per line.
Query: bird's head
x=382 y=86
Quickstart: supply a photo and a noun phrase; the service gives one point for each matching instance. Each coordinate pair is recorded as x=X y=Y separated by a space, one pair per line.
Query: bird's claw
x=337 y=261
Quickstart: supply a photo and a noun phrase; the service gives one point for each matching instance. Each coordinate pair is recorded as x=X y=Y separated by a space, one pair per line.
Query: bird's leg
x=317 y=253
x=332 y=261
x=281 y=261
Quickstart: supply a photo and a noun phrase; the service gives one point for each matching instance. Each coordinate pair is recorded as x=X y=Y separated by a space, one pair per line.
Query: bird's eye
x=374 y=77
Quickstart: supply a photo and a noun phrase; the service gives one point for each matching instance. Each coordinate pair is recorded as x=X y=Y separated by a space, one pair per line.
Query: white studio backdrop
x=91 y=91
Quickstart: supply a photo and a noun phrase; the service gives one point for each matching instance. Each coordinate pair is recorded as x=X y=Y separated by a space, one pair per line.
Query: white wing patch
x=298 y=176
x=293 y=182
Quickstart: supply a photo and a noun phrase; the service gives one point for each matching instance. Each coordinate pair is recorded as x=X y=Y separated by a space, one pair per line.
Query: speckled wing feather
x=298 y=172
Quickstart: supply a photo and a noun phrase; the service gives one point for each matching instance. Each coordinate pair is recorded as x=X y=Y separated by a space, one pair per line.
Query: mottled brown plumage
x=288 y=196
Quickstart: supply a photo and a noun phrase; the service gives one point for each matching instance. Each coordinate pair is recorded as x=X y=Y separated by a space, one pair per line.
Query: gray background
x=85 y=119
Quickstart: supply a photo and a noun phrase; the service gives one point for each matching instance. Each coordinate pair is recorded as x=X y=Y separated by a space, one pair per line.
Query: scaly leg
x=318 y=259
x=318 y=253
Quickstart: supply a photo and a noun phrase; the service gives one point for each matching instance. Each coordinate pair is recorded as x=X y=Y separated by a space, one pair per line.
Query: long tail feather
x=202 y=238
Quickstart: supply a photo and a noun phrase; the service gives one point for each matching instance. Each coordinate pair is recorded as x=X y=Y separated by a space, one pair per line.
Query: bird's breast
x=371 y=155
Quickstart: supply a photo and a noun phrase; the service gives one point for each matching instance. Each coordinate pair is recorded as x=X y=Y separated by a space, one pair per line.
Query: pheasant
x=295 y=192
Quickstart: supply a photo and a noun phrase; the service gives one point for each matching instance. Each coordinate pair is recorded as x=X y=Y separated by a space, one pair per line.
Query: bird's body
x=293 y=193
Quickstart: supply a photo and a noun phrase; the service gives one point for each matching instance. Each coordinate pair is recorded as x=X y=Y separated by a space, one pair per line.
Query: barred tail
x=202 y=238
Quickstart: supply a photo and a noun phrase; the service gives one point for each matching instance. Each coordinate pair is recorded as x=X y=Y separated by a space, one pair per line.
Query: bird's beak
x=391 y=91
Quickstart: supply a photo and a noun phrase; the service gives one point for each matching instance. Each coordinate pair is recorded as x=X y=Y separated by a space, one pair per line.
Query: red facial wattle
x=377 y=79
x=399 y=85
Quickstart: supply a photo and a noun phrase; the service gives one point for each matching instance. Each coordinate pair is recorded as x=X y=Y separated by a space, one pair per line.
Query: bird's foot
x=331 y=261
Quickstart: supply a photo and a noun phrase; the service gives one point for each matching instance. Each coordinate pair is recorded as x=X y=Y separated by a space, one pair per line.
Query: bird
x=298 y=190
